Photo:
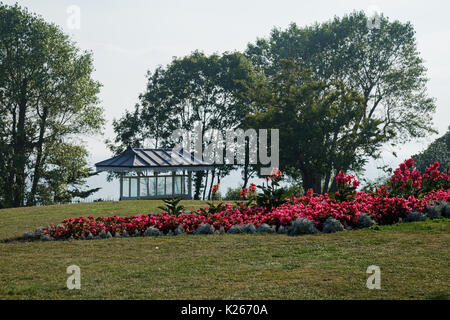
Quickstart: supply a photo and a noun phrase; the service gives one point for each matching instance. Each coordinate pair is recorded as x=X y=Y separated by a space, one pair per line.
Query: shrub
x=347 y=185
x=435 y=211
x=205 y=228
x=446 y=210
x=407 y=180
x=153 y=232
x=249 y=228
x=302 y=226
x=265 y=228
x=29 y=235
x=179 y=229
x=332 y=225
x=46 y=237
x=283 y=230
x=365 y=221
x=415 y=216
x=272 y=195
x=172 y=206
x=236 y=229
x=233 y=194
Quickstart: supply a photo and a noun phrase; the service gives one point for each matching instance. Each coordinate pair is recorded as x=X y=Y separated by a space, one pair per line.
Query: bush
x=283 y=230
x=233 y=194
x=152 y=232
x=446 y=210
x=265 y=228
x=179 y=229
x=332 y=225
x=435 y=211
x=236 y=229
x=365 y=221
x=29 y=235
x=302 y=226
x=172 y=207
x=415 y=216
x=249 y=228
x=205 y=228
x=46 y=237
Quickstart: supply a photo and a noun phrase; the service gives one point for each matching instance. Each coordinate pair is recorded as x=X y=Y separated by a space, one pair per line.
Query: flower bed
x=388 y=205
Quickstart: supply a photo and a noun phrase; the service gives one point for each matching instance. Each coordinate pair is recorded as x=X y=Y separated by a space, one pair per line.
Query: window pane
x=133 y=190
x=161 y=186
x=168 y=185
x=144 y=187
x=177 y=182
x=152 y=186
x=125 y=187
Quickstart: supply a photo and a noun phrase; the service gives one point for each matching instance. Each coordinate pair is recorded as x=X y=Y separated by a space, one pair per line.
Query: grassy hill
x=414 y=259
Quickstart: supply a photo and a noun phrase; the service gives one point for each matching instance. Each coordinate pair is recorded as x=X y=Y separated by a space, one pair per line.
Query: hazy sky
x=128 y=38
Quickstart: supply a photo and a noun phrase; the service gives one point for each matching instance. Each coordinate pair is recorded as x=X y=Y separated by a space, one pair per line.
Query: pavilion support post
x=138 y=185
x=190 y=185
x=156 y=184
x=173 y=184
x=121 y=186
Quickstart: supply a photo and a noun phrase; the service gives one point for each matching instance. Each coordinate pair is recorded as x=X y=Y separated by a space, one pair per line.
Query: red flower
x=214 y=189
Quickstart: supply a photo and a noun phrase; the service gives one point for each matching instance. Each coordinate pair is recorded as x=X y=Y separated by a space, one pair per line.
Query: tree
x=64 y=174
x=196 y=90
x=382 y=64
x=317 y=120
x=438 y=150
x=47 y=95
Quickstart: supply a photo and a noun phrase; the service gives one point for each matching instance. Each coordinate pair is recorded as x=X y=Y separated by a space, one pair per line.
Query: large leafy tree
x=382 y=64
x=47 y=96
x=317 y=120
x=196 y=90
x=438 y=150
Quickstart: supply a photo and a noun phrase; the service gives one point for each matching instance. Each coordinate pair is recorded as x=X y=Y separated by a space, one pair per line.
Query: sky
x=128 y=38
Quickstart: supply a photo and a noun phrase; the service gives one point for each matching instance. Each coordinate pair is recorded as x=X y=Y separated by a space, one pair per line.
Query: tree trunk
x=198 y=179
x=206 y=185
x=246 y=169
x=326 y=183
x=312 y=180
x=213 y=176
x=20 y=158
x=37 y=166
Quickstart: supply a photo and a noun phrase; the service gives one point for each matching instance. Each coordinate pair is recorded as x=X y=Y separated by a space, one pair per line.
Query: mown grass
x=413 y=257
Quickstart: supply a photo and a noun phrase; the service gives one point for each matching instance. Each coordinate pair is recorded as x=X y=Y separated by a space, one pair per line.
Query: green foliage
x=212 y=208
x=193 y=90
x=295 y=190
x=438 y=150
x=47 y=98
x=233 y=194
x=381 y=65
x=317 y=121
x=272 y=195
x=172 y=206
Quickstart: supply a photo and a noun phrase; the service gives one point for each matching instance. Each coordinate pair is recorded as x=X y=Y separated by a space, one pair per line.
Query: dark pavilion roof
x=134 y=159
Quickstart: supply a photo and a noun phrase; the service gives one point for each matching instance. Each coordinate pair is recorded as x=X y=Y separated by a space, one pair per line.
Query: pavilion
x=154 y=173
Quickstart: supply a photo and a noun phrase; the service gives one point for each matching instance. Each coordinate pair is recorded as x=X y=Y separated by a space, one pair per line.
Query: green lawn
x=414 y=259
